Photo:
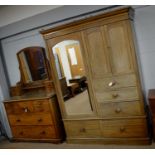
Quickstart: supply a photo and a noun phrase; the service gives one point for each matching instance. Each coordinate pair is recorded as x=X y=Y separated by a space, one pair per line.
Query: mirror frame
x=50 y=44
x=47 y=65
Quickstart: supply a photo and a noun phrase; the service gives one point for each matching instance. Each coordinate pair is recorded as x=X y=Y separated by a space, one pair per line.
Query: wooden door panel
x=98 y=56
x=120 y=52
x=76 y=69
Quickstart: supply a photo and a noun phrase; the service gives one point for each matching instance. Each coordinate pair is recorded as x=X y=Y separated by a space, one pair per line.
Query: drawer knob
x=25 y=109
x=112 y=83
x=115 y=95
x=82 y=130
x=21 y=133
x=43 y=132
x=18 y=120
x=40 y=120
x=118 y=110
x=122 y=129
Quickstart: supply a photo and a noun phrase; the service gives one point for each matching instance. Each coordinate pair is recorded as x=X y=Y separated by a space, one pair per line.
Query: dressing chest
x=32 y=110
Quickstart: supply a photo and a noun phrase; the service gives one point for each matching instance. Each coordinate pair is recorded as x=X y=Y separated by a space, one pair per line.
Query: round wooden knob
x=118 y=110
x=122 y=129
x=82 y=130
x=115 y=95
x=21 y=133
x=40 y=120
x=43 y=132
x=18 y=120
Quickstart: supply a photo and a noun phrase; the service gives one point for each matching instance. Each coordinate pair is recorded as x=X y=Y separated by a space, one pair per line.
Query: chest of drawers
x=35 y=119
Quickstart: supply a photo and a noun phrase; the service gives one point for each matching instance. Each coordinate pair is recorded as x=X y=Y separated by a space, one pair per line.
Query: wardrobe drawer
x=115 y=82
x=118 y=109
x=36 y=132
x=124 y=128
x=126 y=94
x=82 y=129
x=31 y=119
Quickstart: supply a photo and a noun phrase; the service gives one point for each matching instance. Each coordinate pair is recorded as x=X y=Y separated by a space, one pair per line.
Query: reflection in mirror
x=33 y=64
x=72 y=77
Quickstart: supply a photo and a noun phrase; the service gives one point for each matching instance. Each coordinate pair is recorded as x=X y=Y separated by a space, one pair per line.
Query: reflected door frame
x=77 y=69
x=51 y=43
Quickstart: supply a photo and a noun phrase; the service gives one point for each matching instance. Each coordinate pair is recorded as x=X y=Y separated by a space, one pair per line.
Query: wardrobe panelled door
x=67 y=59
x=111 y=63
x=117 y=114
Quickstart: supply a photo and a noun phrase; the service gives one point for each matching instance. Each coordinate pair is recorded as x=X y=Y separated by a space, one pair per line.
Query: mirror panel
x=72 y=77
x=33 y=64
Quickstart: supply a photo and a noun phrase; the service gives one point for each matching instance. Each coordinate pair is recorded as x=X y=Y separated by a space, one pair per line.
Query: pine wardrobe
x=115 y=113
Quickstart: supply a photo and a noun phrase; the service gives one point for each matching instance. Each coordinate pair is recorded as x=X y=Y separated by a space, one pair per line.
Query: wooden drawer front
x=115 y=82
x=121 y=109
x=27 y=107
x=41 y=105
x=36 y=132
x=19 y=107
x=124 y=128
x=35 y=119
x=126 y=94
x=82 y=129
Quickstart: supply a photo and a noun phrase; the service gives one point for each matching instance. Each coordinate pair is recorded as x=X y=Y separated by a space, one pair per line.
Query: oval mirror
x=33 y=64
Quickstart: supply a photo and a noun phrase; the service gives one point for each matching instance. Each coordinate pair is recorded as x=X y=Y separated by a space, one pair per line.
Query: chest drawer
x=118 y=109
x=41 y=106
x=21 y=107
x=82 y=129
x=126 y=94
x=124 y=128
x=34 y=132
x=34 y=119
x=115 y=82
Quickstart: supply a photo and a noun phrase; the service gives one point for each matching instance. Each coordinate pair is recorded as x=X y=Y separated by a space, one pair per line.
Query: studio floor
x=5 y=144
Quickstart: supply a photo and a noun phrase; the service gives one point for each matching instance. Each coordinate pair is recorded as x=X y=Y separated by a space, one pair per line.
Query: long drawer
x=34 y=132
x=31 y=119
x=82 y=129
x=20 y=107
x=118 y=109
x=124 y=128
x=115 y=82
x=126 y=94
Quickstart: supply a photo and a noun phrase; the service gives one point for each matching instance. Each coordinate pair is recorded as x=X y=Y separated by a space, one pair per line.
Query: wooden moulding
x=112 y=141
x=16 y=90
x=49 y=87
x=43 y=86
x=127 y=13
x=55 y=141
x=78 y=22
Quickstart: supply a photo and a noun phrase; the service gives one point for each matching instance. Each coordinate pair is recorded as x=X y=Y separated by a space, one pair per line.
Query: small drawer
x=34 y=132
x=115 y=82
x=19 y=107
x=126 y=94
x=121 y=109
x=28 y=107
x=124 y=128
x=82 y=129
x=41 y=106
x=34 y=119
